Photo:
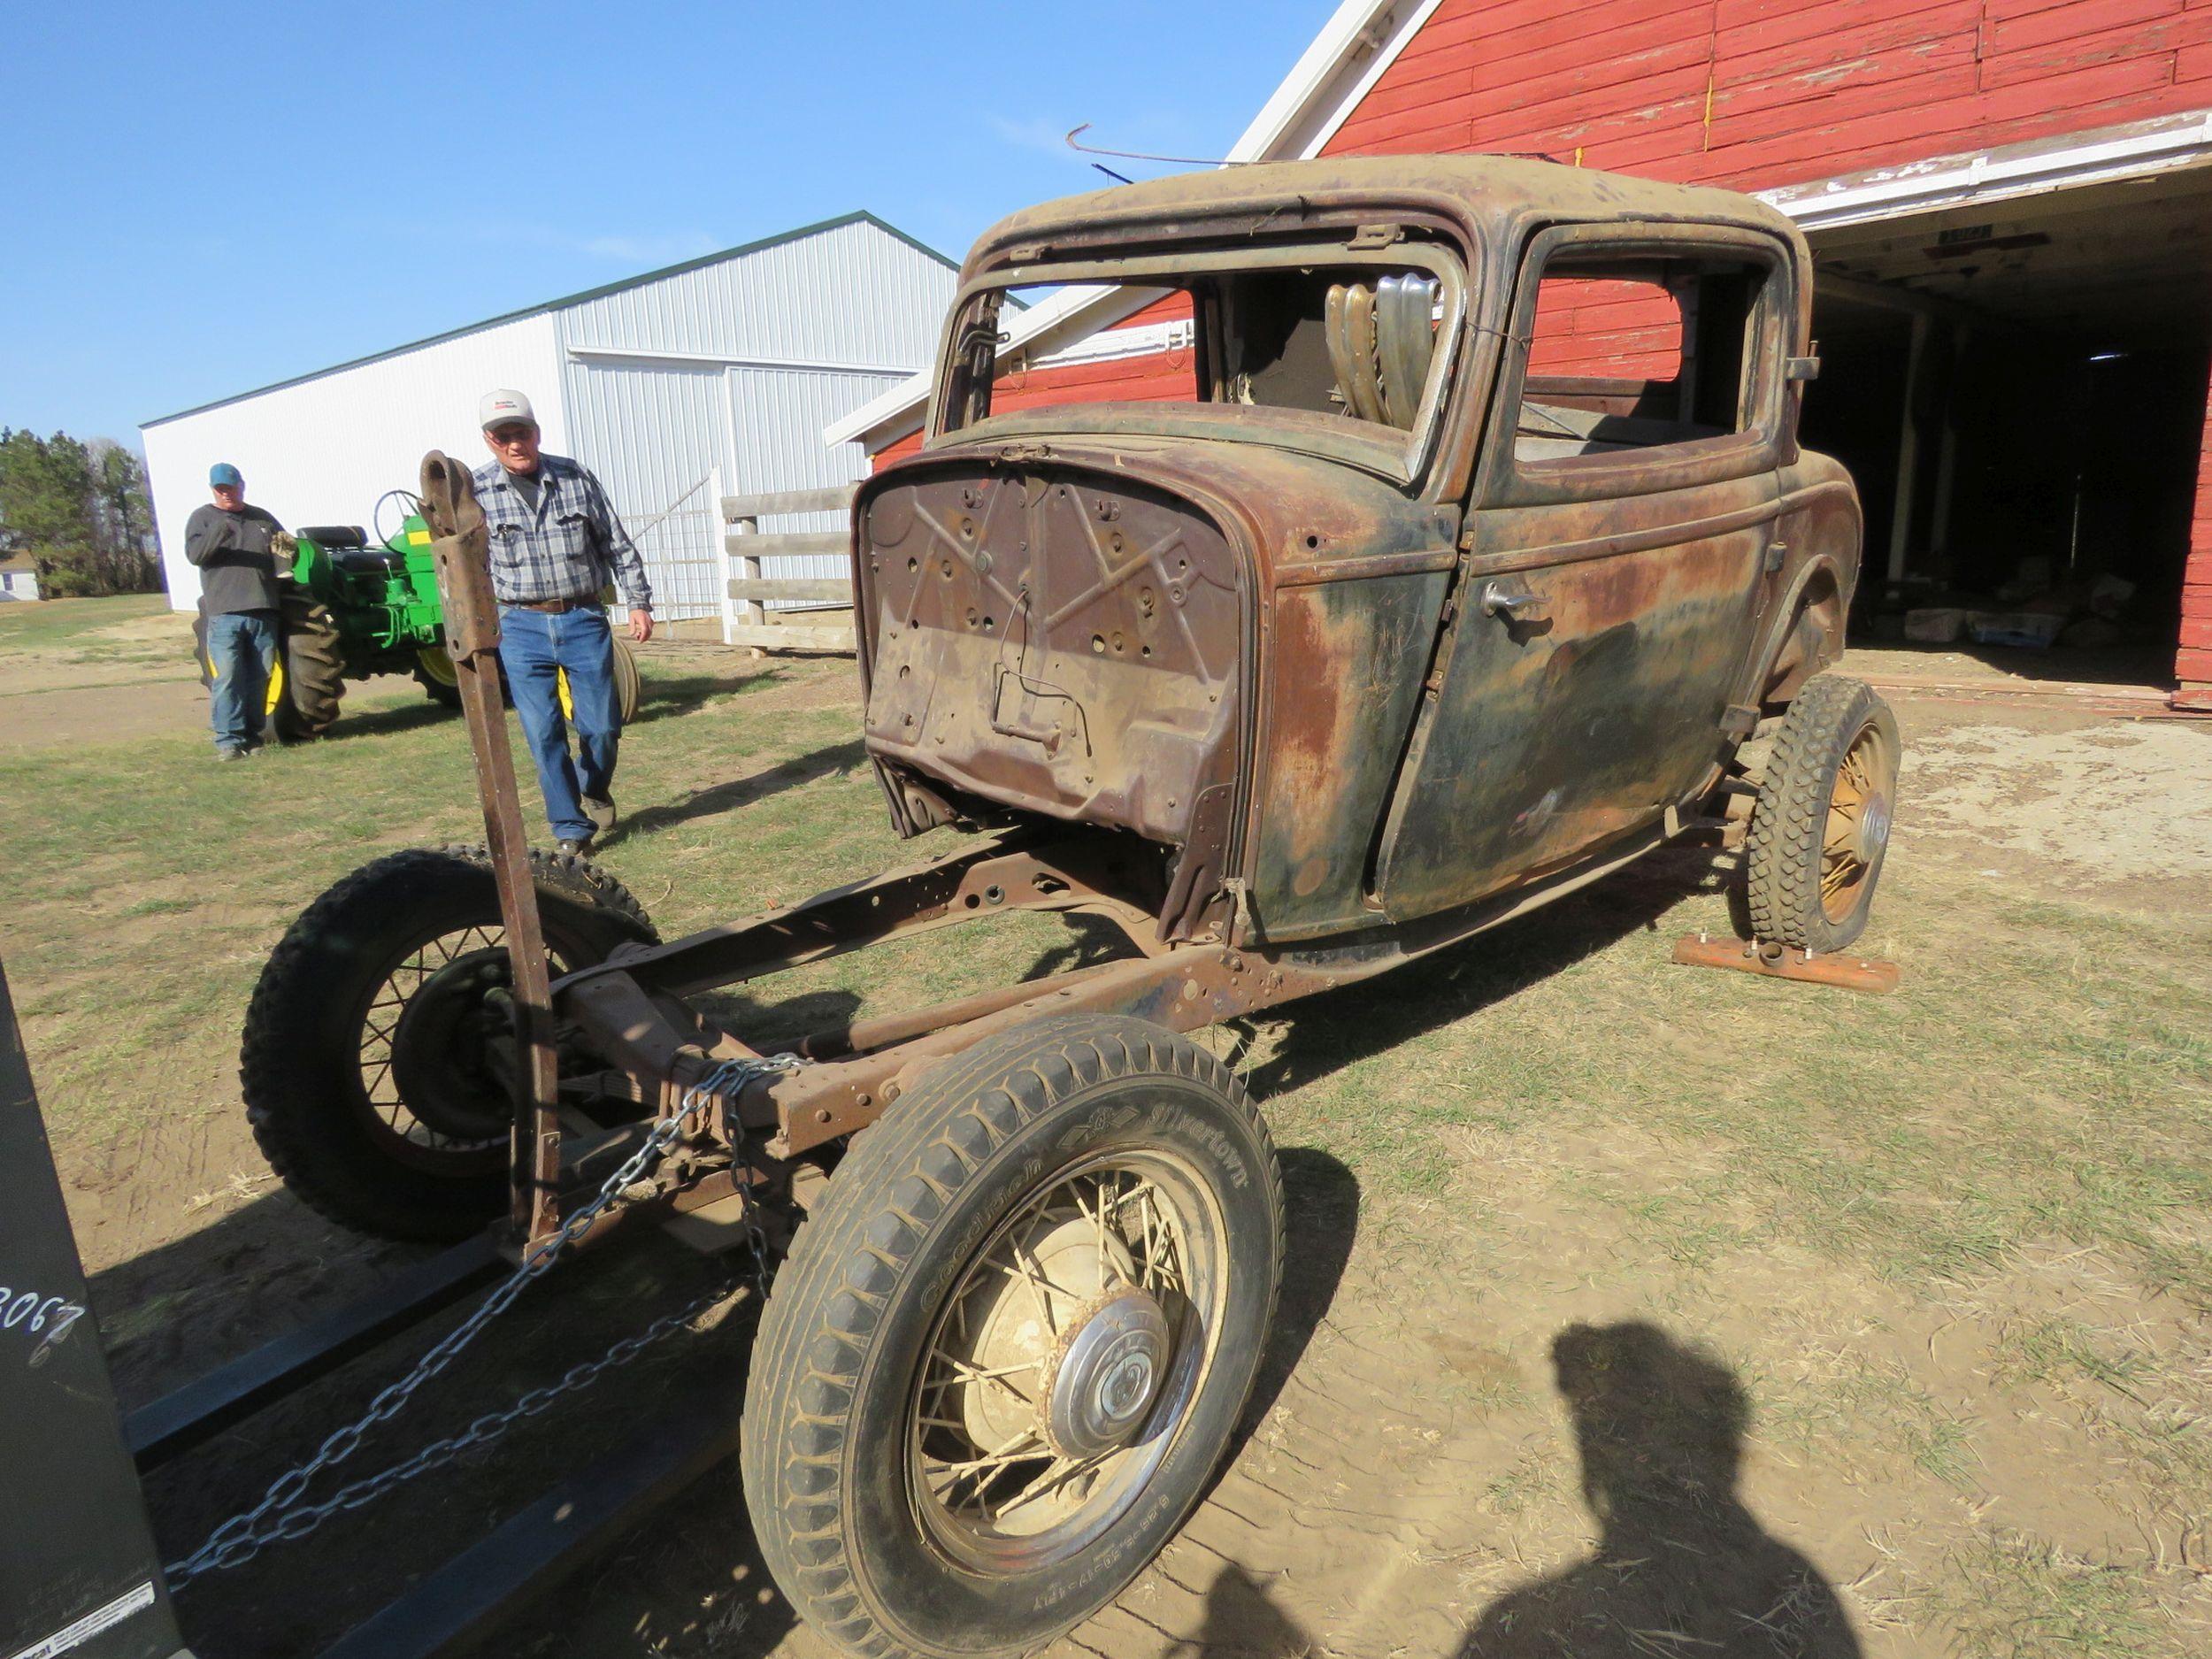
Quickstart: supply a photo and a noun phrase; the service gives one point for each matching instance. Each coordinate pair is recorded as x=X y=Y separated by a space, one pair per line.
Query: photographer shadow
x=1681 y=1565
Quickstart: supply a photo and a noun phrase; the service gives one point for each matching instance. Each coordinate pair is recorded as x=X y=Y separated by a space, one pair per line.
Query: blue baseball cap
x=224 y=474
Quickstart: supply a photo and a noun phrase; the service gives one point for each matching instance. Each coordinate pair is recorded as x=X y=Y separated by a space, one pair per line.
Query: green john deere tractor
x=352 y=610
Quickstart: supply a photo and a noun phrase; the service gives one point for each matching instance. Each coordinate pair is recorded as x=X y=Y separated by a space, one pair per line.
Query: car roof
x=1476 y=189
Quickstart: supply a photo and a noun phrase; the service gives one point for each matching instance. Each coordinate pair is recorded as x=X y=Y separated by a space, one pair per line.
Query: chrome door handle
x=1497 y=602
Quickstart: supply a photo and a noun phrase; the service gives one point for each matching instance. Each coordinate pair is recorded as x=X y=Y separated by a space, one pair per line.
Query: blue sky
x=202 y=200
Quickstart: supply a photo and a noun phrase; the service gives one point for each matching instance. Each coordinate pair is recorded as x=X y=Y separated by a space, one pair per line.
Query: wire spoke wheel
x=1013 y=1340
x=1820 y=827
x=436 y=1050
x=380 y=1061
x=1062 y=1360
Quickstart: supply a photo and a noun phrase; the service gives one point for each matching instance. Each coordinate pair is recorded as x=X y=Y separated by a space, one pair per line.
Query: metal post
x=721 y=562
x=461 y=551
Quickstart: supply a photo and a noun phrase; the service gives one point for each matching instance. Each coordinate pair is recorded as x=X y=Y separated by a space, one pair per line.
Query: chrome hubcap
x=1105 y=1373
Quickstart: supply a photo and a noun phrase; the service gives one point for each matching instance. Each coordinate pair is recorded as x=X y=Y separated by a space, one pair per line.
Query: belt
x=554 y=607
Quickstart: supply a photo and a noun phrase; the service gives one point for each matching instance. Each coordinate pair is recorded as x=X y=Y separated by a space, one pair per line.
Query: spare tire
x=371 y=1067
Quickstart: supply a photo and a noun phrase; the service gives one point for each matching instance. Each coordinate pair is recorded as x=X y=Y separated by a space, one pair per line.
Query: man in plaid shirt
x=555 y=543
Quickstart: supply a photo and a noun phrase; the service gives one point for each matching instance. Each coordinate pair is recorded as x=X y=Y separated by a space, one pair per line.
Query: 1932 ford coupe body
x=1449 y=556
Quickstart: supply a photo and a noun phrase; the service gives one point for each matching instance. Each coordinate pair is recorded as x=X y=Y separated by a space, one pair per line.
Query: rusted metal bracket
x=1839 y=969
x=461 y=551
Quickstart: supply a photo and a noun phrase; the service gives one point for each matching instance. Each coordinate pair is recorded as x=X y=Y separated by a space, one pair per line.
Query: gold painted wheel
x=1062 y=1361
x=1820 y=827
x=1857 y=830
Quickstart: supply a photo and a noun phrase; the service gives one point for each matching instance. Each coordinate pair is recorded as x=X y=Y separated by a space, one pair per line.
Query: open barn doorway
x=2020 y=389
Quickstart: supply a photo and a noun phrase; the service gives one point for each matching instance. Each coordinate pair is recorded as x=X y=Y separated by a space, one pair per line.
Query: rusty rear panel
x=1346 y=664
x=1054 y=641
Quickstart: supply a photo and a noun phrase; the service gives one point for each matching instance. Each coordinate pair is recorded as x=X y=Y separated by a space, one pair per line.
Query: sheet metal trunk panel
x=1054 y=641
x=1551 y=736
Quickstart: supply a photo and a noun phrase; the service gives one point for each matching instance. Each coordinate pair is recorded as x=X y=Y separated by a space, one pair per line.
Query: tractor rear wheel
x=314 y=670
x=1013 y=1340
x=379 y=1045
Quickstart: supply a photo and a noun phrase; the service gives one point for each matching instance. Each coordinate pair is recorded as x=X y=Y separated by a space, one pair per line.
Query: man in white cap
x=555 y=543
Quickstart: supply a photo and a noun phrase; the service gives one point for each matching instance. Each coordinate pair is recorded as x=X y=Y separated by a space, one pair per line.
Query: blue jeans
x=534 y=648
x=241 y=646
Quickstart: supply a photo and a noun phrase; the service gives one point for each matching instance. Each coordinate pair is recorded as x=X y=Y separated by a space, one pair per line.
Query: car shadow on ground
x=833 y=759
x=1320 y=1224
x=1336 y=1028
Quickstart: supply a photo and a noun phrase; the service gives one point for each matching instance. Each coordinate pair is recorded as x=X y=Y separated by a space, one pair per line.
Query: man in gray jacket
x=234 y=547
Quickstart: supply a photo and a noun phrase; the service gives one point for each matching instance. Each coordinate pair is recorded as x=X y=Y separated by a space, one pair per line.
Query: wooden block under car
x=1840 y=968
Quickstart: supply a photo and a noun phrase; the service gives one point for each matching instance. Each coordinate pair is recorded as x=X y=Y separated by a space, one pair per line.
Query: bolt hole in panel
x=1054 y=641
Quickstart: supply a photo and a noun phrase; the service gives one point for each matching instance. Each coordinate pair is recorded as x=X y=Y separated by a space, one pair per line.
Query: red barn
x=2010 y=206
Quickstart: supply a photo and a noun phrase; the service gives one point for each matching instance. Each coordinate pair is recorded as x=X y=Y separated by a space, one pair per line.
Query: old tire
x=314 y=670
x=629 y=686
x=368 y=1065
x=1131 y=1170
x=1820 y=825
x=435 y=672
x=200 y=658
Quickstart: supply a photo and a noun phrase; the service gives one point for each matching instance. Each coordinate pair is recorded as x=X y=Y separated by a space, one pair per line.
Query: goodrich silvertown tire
x=1089 y=1210
x=1820 y=826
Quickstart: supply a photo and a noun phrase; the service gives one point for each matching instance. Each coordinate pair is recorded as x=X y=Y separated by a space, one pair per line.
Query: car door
x=1615 y=556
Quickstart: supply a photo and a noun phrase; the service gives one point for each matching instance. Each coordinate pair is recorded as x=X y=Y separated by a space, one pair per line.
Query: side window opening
x=1635 y=353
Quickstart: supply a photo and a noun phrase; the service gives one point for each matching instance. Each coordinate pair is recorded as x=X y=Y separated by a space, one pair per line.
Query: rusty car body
x=1394 y=624
x=1288 y=700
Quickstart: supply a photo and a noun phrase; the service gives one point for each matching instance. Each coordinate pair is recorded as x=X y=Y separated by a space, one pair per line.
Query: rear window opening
x=1635 y=353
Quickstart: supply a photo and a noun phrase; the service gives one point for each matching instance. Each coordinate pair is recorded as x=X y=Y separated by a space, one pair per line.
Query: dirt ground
x=1620 y=1329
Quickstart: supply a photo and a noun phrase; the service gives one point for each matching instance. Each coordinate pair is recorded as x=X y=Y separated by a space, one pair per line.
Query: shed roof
x=762 y=245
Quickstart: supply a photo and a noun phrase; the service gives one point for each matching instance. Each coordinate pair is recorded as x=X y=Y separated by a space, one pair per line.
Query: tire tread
x=1783 y=846
x=290 y=982
x=1083 y=1050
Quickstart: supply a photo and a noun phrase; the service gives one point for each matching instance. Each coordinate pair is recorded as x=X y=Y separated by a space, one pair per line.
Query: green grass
x=31 y=630
x=2040 y=1089
x=2013 y=1598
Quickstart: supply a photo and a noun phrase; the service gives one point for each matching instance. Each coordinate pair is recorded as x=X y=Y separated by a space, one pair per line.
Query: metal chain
x=283 y=1511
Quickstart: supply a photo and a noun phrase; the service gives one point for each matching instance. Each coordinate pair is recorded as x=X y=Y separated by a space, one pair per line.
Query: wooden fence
x=807 y=613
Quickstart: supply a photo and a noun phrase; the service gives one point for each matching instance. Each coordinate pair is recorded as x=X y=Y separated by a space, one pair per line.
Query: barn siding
x=1756 y=94
x=1752 y=94
x=2192 y=667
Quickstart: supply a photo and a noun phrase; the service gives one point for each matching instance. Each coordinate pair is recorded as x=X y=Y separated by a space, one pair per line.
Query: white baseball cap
x=503 y=408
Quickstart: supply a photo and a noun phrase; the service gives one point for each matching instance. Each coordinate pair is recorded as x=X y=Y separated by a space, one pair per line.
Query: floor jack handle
x=460 y=551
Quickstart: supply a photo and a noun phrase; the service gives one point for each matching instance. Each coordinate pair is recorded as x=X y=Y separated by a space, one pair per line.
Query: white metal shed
x=713 y=376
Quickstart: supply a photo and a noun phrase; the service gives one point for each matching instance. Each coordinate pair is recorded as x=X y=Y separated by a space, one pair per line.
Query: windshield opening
x=1359 y=347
